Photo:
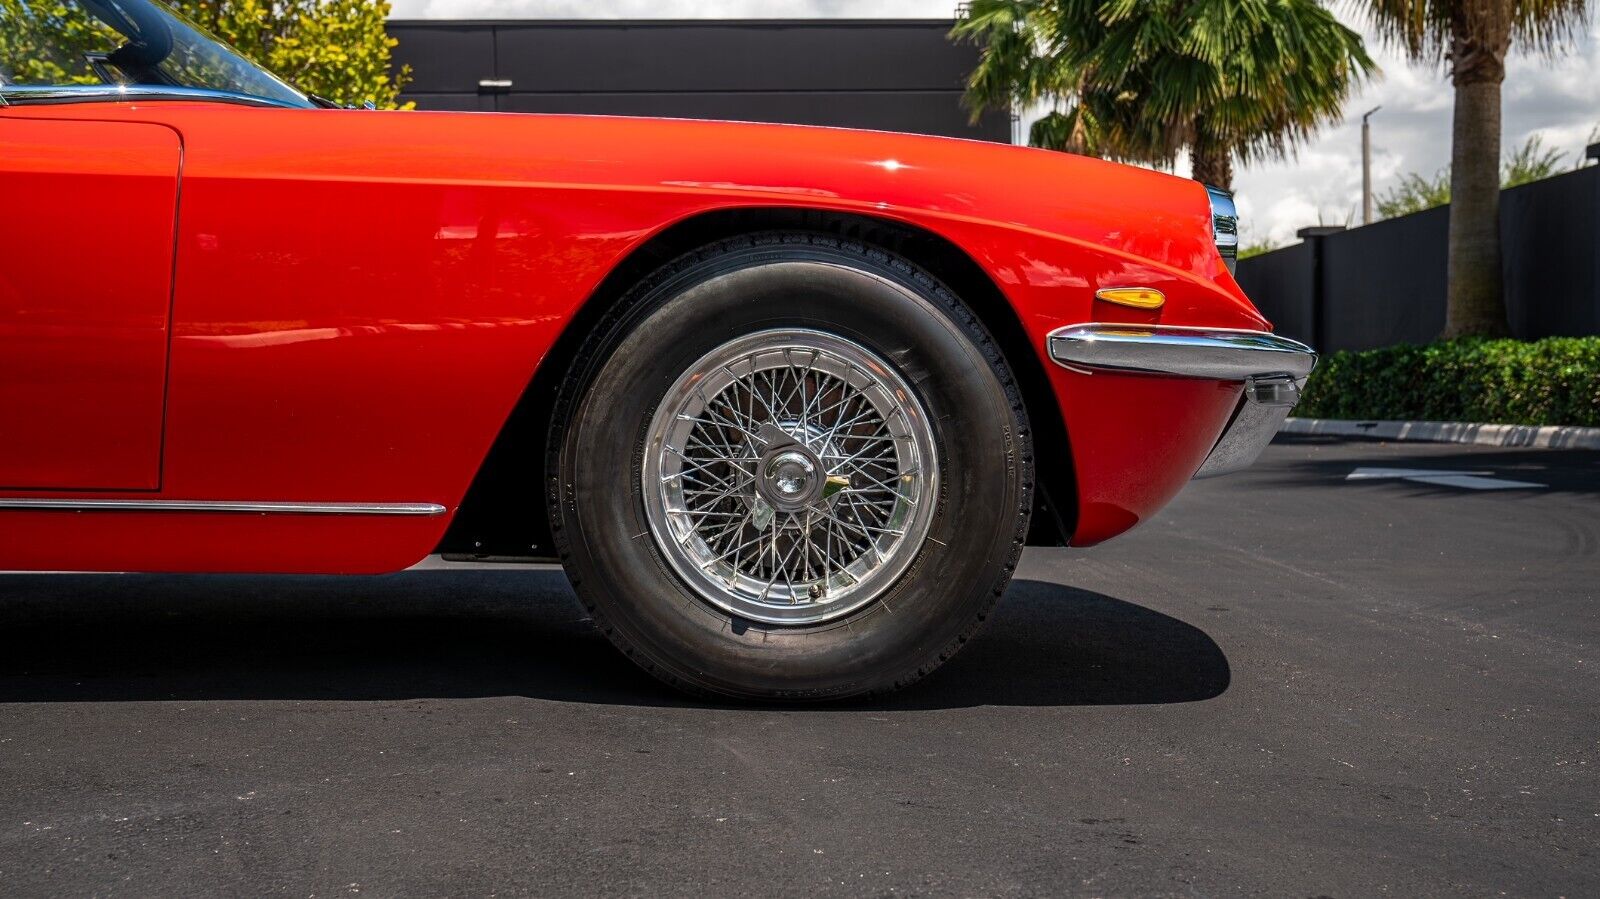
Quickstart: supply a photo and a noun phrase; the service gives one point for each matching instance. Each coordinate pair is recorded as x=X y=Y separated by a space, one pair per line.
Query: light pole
x=1366 y=166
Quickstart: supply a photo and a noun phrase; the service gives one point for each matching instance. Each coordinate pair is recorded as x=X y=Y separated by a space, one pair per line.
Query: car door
x=87 y=215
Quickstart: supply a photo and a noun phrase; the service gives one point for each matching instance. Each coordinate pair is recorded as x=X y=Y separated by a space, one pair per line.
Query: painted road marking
x=1467 y=480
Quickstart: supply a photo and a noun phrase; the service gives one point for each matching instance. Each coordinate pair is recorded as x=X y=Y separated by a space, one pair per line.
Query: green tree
x=1257 y=248
x=336 y=49
x=1415 y=193
x=34 y=36
x=1140 y=80
x=1530 y=162
x=1474 y=36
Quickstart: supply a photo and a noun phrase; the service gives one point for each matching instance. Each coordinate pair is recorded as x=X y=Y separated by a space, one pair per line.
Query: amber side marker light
x=1137 y=297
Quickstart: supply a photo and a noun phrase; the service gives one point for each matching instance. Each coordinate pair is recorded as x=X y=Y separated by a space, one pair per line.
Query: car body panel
x=85 y=286
x=362 y=297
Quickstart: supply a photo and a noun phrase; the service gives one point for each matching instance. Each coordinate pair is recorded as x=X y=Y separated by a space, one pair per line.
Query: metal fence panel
x=1280 y=284
x=1384 y=283
x=675 y=56
x=891 y=75
x=1550 y=234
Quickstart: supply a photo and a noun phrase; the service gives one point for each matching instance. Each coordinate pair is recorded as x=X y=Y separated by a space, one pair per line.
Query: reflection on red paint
x=358 y=300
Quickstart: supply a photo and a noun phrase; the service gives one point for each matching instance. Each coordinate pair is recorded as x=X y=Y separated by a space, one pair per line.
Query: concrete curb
x=1545 y=437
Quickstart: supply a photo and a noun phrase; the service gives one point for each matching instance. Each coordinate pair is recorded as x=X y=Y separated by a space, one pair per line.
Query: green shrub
x=1555 y=381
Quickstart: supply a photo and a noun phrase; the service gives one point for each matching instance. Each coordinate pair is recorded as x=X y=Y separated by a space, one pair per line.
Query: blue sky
x=1558 y=100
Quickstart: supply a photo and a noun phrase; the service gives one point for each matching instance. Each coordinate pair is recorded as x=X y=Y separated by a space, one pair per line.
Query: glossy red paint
x=85 y=285
x=361 y=297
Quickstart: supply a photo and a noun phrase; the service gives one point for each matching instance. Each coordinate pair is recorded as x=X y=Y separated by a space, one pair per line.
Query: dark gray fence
x=891 y=75
x=1384 y=283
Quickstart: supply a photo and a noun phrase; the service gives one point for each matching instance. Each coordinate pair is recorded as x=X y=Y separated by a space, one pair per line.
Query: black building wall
x=892 y=75
x=1384 y=283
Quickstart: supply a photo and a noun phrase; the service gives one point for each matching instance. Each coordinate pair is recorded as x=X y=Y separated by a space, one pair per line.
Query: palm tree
x=1140 y=80
x=1475 y=36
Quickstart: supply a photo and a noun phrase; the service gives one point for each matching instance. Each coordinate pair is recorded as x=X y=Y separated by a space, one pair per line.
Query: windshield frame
x=25 y=94
x=286 y=96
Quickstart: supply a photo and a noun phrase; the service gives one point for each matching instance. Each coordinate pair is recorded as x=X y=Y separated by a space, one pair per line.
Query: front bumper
x=1272 y=368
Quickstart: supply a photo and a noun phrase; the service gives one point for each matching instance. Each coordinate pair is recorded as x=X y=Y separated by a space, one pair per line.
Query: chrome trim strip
x=1212 y=353
x=22 y=94
x=195 y=505
x=1253 y=426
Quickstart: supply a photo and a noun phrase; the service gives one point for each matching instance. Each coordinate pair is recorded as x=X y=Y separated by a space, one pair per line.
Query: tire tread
x=614 y=324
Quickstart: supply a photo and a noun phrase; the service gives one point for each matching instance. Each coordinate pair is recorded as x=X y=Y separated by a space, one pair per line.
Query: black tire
x=730 y=289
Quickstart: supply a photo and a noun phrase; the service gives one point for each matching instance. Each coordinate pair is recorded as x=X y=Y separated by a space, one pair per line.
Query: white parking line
x=1467 y=480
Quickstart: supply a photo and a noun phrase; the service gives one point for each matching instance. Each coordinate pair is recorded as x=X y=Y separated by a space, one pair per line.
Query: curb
x=1543 y=437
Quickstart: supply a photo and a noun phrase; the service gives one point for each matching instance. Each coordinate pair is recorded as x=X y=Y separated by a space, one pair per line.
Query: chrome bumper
x=1272 y=368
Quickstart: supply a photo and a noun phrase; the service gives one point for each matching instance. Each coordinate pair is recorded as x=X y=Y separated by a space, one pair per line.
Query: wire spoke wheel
x=794 y=467
x=790 y=476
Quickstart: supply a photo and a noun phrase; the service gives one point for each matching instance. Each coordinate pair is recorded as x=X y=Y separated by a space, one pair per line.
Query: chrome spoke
x=791 y=476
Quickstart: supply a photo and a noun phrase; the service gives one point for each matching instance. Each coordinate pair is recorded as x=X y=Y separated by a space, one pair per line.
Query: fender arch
x=504 y=514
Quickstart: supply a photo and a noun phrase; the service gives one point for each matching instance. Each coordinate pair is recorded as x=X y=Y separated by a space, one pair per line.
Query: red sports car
x=787 y=403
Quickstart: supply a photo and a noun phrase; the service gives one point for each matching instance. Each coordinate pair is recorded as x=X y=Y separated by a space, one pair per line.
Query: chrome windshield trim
x=23 y=94
x=1213 y=353
x=193 y=505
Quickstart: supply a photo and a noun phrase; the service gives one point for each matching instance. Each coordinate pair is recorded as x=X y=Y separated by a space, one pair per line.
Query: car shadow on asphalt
x=456 y=634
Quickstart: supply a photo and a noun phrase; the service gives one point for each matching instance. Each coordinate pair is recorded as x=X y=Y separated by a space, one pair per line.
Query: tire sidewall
x=973 y=537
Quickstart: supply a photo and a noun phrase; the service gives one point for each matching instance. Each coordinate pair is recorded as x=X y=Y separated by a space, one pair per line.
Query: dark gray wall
x=1384 y=283
x=892 y=75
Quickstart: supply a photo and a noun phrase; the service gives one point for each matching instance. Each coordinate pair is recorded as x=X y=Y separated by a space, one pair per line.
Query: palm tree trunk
x=1211 y=161
x=1476 y=304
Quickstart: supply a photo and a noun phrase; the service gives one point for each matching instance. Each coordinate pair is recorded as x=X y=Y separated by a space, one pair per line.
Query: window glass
x=51 y=43
x=142 y=42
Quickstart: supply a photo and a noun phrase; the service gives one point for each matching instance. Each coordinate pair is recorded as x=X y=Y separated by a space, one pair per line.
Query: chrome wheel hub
x=790 y=476
x=791 y=480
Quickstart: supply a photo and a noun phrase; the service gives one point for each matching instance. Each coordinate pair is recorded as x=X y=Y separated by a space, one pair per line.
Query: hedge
x=1555 y=381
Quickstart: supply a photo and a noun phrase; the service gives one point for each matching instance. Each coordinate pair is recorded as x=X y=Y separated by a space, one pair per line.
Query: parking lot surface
x=1357 y=668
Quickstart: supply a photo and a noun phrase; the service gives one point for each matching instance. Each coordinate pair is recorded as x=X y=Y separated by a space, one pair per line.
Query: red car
x=787 y=403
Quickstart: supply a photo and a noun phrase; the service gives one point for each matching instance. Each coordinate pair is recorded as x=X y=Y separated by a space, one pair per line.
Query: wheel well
x=504 y=514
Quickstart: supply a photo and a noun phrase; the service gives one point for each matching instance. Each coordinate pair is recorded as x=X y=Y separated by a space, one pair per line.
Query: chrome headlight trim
x=1225 y=225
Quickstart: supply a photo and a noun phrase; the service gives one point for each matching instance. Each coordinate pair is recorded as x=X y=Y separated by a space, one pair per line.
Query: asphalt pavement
x=1293 y=682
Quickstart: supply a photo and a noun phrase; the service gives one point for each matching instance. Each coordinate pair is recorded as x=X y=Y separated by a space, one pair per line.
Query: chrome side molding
x=193 y=505
x=1212 y=353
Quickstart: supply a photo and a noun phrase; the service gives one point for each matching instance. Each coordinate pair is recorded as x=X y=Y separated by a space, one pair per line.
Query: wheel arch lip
x=479 y=523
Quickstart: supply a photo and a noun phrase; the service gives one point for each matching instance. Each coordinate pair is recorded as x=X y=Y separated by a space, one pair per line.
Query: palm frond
x=1148 y=77
x=1427 y=29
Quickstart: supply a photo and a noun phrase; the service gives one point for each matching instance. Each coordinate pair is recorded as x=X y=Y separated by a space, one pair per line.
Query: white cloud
x=1557 y=99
